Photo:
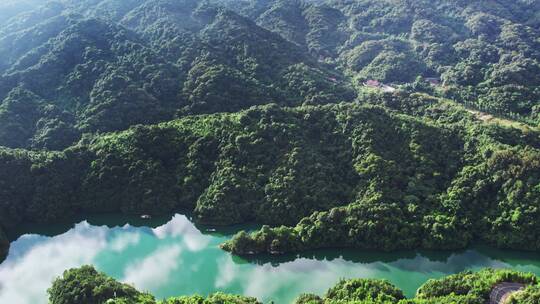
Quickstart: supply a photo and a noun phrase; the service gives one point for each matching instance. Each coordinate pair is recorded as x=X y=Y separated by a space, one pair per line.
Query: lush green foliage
x=486 y=52
x=217 y=298
x=404 y=171
x=243 y=111
x=338 y=176
x=466 y=288
x=531 y=295
x=73 y=67
x=469 y=287
x=86 y=285
x=364 y=290
x=418 y=185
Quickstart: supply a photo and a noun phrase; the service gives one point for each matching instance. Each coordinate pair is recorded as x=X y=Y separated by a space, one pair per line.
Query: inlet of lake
x=173 y=257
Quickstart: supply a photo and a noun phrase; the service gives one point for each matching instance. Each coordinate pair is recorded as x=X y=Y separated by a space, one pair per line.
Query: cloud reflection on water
x=154 y=270
x=176 y=258
x=180 y=226
x=123 y=241
x=291 y=278
x=25 y=278
x=454 y=263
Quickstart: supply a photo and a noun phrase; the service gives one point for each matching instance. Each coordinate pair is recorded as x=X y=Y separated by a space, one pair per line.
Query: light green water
x=174 y=257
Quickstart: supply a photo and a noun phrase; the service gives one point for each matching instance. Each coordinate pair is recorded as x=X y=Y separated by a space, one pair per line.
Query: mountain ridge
x=80 y=54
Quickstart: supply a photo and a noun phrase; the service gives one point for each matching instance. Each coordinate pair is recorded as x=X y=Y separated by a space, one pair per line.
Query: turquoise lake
x=172 y=256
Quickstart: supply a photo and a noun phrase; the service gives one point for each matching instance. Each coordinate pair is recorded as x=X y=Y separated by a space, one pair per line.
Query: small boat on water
x=146 y=216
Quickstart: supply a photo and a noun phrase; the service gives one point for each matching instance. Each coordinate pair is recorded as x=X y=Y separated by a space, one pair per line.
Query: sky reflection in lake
x=177 y=258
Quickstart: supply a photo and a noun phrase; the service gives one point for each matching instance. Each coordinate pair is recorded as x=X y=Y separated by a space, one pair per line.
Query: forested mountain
x=83 y=67
x=388 y=124
x=103 y=65
x=486 y=53
x=408 y=171
x=71 y=70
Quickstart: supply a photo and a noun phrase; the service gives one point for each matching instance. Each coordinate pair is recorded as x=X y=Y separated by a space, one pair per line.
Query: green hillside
x=111 y=64
x=75 y=73
x=384 y=125
x=347 y=175
x=485 y=53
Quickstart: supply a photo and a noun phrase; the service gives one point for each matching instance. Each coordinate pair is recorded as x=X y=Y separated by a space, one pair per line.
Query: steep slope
x=286 y=18
x=313 y=25
x=337 y=176
x=255 y=65
x=99 y=75
x=485 y=53
x=412 y=171
x=145 y=62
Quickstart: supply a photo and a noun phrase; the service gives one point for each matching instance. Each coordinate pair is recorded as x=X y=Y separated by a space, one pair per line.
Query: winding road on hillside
x=501 y=292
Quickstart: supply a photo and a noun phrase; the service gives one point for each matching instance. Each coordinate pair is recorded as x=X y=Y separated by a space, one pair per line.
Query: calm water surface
x=174 y=257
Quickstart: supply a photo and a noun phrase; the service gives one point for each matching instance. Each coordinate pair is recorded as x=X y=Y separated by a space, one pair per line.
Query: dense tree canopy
x=467 y=287
x=73 y=67
x=407 y=171
x=86 y=285
x=474 y=46
x=256 y=111
x=94 y=66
